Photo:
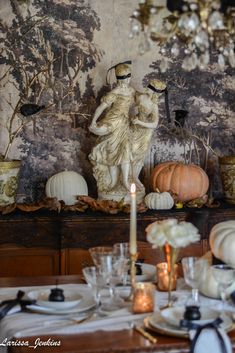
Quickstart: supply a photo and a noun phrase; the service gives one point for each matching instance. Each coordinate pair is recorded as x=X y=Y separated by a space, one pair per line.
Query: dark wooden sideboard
x=50 y=243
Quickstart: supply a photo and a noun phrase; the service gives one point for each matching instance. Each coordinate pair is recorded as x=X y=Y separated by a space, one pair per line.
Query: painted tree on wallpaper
x=45 y=50
x=209 y=129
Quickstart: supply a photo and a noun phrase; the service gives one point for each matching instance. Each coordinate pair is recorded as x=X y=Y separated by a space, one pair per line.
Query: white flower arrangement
x=176 y=234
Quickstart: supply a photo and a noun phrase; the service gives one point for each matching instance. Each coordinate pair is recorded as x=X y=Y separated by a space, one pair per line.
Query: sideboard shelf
x=50 y=243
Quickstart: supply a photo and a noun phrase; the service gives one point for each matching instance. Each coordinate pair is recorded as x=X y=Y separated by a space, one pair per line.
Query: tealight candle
x=163 y=277
x=143 y=299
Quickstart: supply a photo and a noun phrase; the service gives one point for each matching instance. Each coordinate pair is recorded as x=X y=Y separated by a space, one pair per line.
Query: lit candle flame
x=133 y=188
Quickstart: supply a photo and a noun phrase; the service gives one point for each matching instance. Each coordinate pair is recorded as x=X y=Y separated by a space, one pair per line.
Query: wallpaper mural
x=56 y=53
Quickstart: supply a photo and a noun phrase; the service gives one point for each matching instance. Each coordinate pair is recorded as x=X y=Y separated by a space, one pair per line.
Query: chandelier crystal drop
x=200 y=25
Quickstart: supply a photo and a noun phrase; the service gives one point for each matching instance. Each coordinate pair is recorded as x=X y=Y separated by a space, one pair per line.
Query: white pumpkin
x=159 y=201
x=66 y=186
x=209 y=286
x=222 y=242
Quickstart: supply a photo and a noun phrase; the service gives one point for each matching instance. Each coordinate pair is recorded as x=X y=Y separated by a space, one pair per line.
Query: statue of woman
x=144 y=125
x=111 y=155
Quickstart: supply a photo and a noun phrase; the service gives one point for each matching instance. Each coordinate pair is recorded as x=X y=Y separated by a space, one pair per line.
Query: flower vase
x=171 y=257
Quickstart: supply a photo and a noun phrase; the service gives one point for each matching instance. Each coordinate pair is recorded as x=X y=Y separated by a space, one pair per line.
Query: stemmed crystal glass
x=194 y=270
x=98 y=251
x=111 y=269
x=123 y=251
x=224 y=276
x=94 y=280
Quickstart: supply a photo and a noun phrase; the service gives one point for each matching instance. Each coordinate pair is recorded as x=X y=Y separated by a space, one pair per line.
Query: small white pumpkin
x=222 y=242
x=66 y=186
x=159 y=201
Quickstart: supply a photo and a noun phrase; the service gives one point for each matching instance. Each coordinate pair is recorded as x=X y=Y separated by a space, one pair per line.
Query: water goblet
x=111 y=270
x=123 y=251
x=98 y=251
x=94 y=280
x=224 y=276
x=194 y=270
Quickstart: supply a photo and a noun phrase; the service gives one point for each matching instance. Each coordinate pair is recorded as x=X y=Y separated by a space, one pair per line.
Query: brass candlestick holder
x=133 y=275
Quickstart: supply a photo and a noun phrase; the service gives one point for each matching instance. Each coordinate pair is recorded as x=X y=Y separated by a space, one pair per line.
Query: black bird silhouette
x=180 y=116
x=30 y=109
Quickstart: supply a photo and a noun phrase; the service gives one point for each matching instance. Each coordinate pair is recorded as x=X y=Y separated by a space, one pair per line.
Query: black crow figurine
x=180 y=116
x=30 y=109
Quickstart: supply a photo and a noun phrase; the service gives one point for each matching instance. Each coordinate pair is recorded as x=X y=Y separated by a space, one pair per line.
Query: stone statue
x=143 y=126
x=111 y=156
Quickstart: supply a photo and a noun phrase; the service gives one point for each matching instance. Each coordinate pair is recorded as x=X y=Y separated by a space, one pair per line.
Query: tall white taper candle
x=133 y=244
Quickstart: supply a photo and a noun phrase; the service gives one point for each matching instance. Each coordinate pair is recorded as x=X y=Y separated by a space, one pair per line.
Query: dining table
x=111 y=340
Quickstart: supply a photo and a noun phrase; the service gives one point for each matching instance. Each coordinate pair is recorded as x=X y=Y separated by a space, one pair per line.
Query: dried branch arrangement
x=40 y=72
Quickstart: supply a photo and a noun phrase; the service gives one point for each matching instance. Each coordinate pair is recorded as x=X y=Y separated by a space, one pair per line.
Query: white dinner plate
x=148 y=273
x=87 y=302
x=71 y=299
x=158 y=324
x=173 y=315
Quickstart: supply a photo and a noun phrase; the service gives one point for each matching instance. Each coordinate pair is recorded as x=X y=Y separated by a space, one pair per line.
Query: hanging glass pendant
x=221 y=61
x=175 y=50
x=144 y=44
x=216 y=20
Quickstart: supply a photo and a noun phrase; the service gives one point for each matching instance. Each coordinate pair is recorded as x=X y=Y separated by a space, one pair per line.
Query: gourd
x=159 y=201
x=66 y=186
x=187 y=181
x=209 y=286
x=222 y=241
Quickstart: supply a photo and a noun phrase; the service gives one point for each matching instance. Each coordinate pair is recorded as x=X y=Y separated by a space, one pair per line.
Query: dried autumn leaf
x=8 y=209
x=141 y=207
x=86 y=199
x=77 y=207
x=212 y=203
x=198 y=203
x=51 y=203
x=28 y=208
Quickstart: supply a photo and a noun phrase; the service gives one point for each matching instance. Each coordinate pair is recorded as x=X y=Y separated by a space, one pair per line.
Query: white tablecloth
x=22 y=324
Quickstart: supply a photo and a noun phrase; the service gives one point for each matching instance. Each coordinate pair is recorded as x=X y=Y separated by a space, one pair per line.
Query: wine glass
x=194 y=270
x=94 y=280
x=123 y=251
x=98 y=251
x=224 y=276
x=111 y=270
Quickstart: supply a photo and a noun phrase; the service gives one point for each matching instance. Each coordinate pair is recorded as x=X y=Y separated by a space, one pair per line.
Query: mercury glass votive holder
x=143 y=297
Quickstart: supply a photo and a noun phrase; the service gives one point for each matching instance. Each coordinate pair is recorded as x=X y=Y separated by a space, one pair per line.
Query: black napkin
x=7 y=305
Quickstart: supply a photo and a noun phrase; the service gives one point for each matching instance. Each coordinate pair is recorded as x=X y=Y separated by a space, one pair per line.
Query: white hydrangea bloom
x=170 y=231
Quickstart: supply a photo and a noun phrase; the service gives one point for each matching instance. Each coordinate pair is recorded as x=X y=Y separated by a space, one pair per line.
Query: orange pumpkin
x=187 y=181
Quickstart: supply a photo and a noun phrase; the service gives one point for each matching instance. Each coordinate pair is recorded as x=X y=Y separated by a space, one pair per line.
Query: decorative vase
x=9 y=171
x=171 y=257
x=227 y=170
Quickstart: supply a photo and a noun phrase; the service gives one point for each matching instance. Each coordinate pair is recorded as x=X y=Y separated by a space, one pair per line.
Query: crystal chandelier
x=203 y=26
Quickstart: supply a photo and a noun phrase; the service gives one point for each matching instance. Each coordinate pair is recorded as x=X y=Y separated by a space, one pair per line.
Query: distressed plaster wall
x=56 y=53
